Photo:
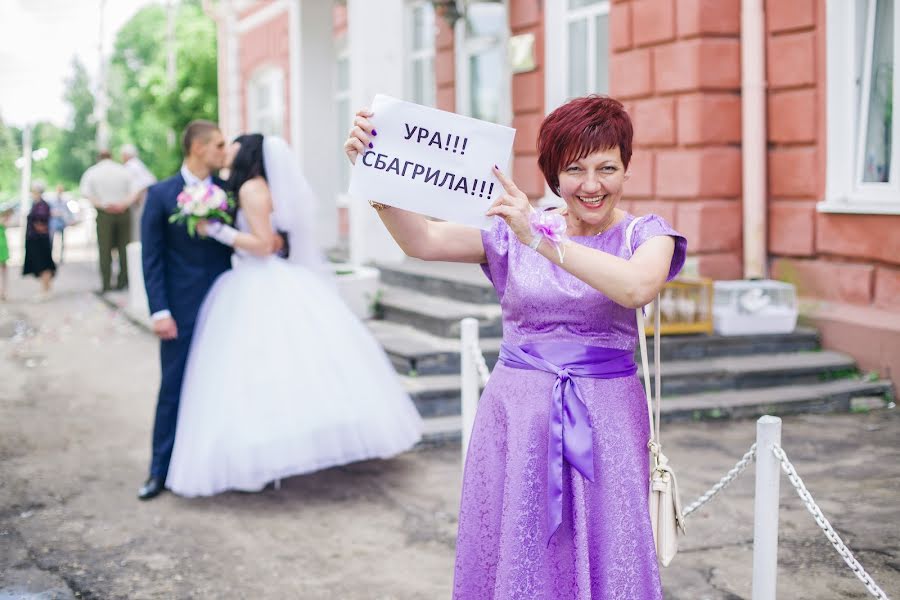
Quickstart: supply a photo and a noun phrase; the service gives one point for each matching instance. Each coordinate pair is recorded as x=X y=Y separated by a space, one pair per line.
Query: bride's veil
x=293 y=204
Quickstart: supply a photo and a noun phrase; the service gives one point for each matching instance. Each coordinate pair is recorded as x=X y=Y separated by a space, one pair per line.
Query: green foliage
x=73 y=149
x=10 y=150
x=144 y=109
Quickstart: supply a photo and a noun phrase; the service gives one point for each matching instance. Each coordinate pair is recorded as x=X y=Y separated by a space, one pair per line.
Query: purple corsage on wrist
x=550 y=226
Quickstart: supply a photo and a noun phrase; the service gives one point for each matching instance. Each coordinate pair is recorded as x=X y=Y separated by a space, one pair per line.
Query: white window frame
x=557 y=17
x=272 y=77
x=464 y=48
x=342 y=52
x=846 y=111
x=421 y=54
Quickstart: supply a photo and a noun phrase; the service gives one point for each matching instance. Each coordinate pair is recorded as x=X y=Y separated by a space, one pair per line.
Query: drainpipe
x=753 y=134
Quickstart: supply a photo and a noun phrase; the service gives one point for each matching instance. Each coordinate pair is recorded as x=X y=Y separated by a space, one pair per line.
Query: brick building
x=763 y=129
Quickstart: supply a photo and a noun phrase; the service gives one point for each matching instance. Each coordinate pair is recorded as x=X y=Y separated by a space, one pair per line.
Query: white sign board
x=432 y=162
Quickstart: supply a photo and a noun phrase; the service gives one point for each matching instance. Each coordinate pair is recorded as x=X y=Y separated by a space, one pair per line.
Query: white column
x=765 y=509
x=313 y=118
x=376 y=43
x=470 y=383
x=233 y=77
x=753 y=134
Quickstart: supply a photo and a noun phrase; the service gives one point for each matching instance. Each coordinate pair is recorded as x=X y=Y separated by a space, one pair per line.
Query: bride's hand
x=359 y=139
x=203 y=227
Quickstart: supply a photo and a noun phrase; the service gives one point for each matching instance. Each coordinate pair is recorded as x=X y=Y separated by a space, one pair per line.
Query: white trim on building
x=853 y=170
x=263 y=15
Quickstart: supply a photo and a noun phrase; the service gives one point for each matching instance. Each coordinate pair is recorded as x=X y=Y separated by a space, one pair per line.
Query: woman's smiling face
x=592 y=187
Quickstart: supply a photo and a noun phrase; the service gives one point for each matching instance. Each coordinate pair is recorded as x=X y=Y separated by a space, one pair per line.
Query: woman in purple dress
x=555 y=490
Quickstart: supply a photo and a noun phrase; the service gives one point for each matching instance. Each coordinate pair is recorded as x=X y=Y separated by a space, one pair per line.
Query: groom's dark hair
x=248 y=162
x=196 y=130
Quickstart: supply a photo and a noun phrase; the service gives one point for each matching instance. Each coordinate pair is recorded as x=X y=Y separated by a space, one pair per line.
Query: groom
x=178 y=272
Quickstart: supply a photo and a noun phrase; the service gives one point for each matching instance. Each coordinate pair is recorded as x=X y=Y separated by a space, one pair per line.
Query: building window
x=343 y=111
x=265 y=102
x=578 y=47
x=862 y=171
x=482 y=67
x=420 y=34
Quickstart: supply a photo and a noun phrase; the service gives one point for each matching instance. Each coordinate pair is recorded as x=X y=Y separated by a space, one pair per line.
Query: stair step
x=415 y=350
x=753 y=371
x=684 y=347
x=440 y=430
x=831 y=396
x=440 y=394
x=437 y=315
x=458 y=281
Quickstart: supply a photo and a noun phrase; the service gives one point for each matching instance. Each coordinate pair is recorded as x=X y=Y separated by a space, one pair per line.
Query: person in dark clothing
x=38 y=254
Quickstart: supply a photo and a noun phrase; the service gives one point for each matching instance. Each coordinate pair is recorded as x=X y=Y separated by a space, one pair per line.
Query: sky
x=38 y=39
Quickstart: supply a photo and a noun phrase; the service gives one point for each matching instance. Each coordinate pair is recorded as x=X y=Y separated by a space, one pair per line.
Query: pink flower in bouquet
x=201 y=201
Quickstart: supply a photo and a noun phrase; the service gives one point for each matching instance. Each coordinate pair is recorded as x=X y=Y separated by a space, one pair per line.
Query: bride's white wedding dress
x=282 y=379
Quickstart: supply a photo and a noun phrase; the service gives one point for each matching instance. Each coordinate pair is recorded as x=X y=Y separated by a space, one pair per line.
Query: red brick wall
x=526 y=16
x=846 y=258
x=266 y=44
x=676 y=66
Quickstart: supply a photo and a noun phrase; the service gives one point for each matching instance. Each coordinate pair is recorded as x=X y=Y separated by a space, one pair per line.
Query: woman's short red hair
x=578 y=128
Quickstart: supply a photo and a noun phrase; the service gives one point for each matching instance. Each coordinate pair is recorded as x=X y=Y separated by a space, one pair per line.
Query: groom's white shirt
x=189 y=179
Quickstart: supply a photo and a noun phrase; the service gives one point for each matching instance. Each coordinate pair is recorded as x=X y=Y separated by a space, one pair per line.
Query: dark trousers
x=173 y=358
x=113 y=232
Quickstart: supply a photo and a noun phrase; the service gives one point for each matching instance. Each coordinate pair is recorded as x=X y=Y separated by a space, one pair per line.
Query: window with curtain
x=576 y=49
x=862 y=53
x=484 y=76
x=587 y=47
x=420 y=84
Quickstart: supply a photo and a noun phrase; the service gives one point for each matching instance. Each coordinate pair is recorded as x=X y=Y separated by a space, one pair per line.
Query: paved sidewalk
x=76 y=401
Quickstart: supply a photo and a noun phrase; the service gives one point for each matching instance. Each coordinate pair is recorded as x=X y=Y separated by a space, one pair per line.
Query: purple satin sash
x=571 y=435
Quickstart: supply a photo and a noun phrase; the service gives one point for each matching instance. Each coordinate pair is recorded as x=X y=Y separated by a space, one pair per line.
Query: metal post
x=469 y=379
x=765 y=509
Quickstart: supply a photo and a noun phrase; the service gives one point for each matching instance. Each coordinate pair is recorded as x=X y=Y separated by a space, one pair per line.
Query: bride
x=282 y=378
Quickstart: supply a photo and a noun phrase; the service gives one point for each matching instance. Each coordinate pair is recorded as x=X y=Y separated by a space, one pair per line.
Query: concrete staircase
x=705 y=377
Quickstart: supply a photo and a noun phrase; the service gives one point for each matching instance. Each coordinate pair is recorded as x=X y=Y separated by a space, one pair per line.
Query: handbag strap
x=642 y=338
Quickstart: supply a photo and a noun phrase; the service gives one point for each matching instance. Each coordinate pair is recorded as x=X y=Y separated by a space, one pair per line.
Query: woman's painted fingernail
x=496 y=167
x=370 y=145
x=374 y=132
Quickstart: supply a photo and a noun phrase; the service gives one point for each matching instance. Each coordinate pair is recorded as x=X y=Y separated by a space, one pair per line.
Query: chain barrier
x=723 y=483
x=483 y=372
x=826 y=527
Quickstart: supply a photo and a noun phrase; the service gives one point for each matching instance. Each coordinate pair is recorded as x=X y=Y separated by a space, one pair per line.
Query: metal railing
x=766 y=452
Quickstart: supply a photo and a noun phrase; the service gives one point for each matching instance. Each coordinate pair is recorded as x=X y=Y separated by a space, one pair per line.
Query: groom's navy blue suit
x=178 y=272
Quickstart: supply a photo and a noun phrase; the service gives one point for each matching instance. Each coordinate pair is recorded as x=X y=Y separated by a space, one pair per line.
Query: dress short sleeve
x=654 y=225
x=496 y=242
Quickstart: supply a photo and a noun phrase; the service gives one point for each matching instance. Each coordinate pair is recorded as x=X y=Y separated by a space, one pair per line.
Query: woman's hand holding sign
x=513 y=207
x=360 y=137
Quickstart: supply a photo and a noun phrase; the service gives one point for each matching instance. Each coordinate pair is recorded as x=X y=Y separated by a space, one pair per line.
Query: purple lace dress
x=604 y=547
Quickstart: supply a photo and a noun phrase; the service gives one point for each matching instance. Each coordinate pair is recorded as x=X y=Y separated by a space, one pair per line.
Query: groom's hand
x=165 y=328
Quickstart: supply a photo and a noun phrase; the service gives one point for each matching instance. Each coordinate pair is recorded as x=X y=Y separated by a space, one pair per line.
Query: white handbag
x=665 y=504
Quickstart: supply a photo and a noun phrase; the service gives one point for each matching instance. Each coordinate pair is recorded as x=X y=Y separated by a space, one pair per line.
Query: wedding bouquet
x=201 y=201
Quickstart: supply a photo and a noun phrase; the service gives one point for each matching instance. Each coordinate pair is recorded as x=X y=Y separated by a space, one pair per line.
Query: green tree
x=74 y=149
x=10 y=150
x=145 y=109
